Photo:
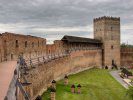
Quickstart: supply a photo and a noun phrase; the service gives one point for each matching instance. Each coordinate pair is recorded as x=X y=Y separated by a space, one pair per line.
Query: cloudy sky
x=52 y=19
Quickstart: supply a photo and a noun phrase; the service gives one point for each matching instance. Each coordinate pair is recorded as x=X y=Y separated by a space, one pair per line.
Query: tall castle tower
x=107 y=29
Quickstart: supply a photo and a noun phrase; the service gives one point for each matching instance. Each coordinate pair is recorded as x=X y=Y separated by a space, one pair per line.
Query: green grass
x=131 y=70
x=97 y=84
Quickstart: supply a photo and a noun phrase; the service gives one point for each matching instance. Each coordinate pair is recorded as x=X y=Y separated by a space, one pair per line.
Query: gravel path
x=118 y=78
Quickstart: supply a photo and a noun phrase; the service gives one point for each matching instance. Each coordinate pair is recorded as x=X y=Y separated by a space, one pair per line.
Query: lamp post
x=54 y=84
x=73 y=88
x=66 y=80
x=52 y=94
x=79 y=88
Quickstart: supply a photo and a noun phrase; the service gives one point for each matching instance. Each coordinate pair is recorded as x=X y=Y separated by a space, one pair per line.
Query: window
x=111 y=28
x=38 y=43
x=112 y=62
x=112 y=47
x=25 y=43
x=11 y=56
x=5 y=42
x=42 y=43
x=49 y=51
x=17 y=44
x=32 y=44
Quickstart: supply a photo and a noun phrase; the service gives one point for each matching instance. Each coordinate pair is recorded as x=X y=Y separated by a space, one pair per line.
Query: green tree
x=123 y=45
x=130 y=92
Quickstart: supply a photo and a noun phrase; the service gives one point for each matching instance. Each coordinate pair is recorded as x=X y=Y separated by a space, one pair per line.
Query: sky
x=52 y=19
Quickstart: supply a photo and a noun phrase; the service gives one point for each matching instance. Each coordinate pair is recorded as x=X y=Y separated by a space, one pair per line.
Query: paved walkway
x=118 y=78
x=6 y=75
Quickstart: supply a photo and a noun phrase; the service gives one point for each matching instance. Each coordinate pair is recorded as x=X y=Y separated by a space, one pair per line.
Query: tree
x=130 y=92
x=123 y=45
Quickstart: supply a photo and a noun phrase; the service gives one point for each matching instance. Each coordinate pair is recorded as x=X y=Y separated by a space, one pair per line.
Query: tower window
x=111 y=28
x=112 y=47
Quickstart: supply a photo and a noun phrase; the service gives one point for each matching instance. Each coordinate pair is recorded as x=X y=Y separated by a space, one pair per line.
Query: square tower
x=107 y=29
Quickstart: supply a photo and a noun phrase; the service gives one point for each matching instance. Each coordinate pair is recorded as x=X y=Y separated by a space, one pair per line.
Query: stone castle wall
x=1 y=50
x=14 y=45
x=127 y=57
x=43 y=74
x=81 y=55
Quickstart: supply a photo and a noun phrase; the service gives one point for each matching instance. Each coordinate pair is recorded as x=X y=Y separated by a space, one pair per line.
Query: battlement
x=21 y=35
x=107 y=18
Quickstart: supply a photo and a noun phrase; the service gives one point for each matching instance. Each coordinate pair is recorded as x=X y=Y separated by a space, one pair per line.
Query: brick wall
x=50 y=49
x=59 y=46
x=56 y=69
x=127 y=57
x=26 y=45
x=1 y=50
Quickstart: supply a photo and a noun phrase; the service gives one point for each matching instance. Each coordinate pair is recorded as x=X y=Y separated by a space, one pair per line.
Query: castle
x=66 y=56
x=106 y=37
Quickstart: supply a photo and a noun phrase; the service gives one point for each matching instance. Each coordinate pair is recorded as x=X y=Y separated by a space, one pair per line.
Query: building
x=28 y=46
x=107 y=29
x=106 y=37
x=69 y=55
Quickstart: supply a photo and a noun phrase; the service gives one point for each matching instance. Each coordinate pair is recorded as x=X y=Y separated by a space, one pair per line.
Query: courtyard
x=97 y=84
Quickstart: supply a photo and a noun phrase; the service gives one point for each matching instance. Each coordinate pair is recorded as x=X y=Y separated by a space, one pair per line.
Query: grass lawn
x=97 y=84
x=131 y=70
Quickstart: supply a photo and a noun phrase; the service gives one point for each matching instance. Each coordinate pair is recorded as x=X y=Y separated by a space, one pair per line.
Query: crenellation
x=107 y=18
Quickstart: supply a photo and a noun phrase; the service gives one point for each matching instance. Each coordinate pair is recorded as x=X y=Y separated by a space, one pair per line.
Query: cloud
x=50 y=18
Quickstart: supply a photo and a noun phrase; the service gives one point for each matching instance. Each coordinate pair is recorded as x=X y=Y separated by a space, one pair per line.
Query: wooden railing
x=83 y=48
x=44 y=59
